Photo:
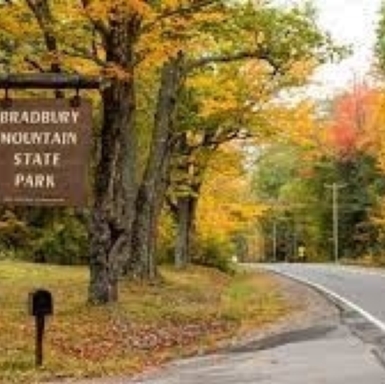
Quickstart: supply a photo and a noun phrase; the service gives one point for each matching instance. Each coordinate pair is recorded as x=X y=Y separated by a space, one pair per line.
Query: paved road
x=363 y=287
x=338 y=348
x=350 y=352
x=334 y=360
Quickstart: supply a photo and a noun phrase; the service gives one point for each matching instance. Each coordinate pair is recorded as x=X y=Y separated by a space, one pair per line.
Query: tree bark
x=185 y=236
x=115 y=187
x=153 y=187
x=191 y=162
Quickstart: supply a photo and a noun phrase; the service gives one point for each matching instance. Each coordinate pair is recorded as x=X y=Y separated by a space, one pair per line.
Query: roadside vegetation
x=329 y=172
x=185 y=313
x=328 y=143
x=201 y=157
x=186 y=86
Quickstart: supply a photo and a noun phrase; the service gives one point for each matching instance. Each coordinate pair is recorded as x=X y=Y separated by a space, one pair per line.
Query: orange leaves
x=356 y=122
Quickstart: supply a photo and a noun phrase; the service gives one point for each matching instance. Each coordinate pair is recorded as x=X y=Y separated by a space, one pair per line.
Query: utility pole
x=275 y=240
x=335 y=189
x=295 y=244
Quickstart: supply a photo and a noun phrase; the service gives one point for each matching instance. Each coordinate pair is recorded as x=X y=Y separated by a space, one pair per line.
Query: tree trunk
x=115 y=187
x=192 y=163
x=153 y=188
x=185 y=237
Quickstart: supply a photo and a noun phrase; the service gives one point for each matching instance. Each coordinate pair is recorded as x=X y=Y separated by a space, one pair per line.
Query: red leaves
x=353 y=118
x=344 y=138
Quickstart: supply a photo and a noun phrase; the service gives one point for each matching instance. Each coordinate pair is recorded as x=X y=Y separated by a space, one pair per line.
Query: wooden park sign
x=44 y=152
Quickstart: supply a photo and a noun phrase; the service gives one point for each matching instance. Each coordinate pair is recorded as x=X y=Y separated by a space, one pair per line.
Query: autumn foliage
x=355 y=122
x=191 y=312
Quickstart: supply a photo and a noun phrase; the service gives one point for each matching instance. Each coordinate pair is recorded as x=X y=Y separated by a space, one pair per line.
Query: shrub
x=216 y=253
x=14 y=233
x=64 y=242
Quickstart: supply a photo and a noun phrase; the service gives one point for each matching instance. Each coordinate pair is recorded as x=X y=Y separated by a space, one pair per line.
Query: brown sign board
x=44 y=152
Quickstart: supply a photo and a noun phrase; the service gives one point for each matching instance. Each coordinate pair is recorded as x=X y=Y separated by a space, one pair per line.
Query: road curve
x=362 y=288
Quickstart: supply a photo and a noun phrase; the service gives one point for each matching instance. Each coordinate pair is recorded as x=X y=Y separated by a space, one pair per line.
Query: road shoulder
x=314 y=344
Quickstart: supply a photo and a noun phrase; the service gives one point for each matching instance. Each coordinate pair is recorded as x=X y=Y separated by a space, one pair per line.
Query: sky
x=351 y=22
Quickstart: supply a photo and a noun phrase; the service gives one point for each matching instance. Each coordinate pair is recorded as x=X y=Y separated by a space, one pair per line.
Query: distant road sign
x=44 y=152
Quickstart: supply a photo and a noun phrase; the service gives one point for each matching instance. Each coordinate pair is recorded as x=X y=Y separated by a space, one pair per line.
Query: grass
x=190 y=312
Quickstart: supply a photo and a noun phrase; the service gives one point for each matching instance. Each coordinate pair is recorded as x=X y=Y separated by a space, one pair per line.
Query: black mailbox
x=40 y=303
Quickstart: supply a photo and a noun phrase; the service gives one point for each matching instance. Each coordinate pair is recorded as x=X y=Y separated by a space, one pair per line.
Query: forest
x=206 y=148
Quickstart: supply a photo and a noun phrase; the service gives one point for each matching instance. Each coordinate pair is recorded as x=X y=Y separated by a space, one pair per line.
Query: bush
x=14 y=233
x=216 y=253
x=46 y=237
x=64 y=242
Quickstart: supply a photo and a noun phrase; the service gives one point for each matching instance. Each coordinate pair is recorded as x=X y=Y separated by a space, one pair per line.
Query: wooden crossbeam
x=48 y=81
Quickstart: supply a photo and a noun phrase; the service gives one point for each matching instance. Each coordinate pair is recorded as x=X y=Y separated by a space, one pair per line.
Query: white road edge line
x=378 y=323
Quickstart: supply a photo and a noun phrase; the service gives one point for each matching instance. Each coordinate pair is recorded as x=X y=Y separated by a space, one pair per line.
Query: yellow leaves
x=374 y=133
x=301 y=70
x=138 y=6
x=157 y=52
x=114 y=9
x=81 y=65
x=220 y=93
x=256 y=72
x=302 y=127
x=172 y=30
x=225 y=205
x=10 y=22
x=97 y=9
x=378 y=217
x=215 y=107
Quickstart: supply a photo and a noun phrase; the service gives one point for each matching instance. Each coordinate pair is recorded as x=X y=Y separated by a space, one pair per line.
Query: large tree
x=231 y=98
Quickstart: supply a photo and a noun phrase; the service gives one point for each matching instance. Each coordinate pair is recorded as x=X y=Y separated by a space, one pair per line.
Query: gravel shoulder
x=311 y=310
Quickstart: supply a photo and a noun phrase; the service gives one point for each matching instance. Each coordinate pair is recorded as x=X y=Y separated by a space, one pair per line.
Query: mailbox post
x=40 y=306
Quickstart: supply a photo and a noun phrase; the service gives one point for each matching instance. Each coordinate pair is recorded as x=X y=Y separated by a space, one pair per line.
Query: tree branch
x=98 y=24
x=259 y=54
x=34 y=64
x=44 y=18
